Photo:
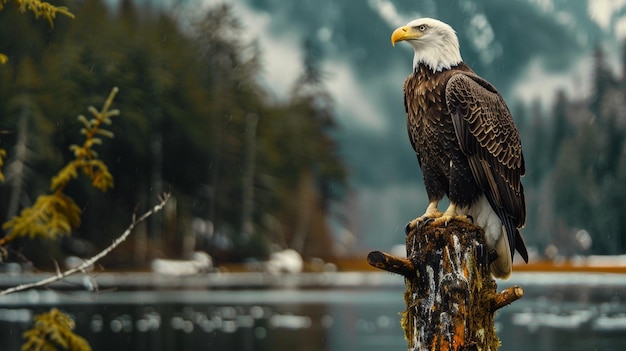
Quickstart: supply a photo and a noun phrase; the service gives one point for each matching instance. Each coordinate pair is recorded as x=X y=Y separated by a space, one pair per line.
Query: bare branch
x=390 y=263
x=507 y=296
x=90 y=262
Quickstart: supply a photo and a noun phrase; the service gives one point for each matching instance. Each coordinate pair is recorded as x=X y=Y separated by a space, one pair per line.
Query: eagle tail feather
x=520 y=246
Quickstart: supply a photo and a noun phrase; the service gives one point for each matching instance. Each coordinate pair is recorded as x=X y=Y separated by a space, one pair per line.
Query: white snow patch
x=285 y=261
x=601 y=11
x=539 y=84
x=200 y=262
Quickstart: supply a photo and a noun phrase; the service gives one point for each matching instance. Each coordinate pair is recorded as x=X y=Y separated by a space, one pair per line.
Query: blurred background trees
x=589 y=169
x=575 y=156
x=195 y=122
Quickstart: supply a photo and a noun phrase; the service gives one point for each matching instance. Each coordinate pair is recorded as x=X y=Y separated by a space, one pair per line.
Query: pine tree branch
x=90 y=262
x=57 y=214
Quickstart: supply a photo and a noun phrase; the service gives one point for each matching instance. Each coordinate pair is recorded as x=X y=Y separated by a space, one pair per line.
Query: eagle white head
x=435 y=43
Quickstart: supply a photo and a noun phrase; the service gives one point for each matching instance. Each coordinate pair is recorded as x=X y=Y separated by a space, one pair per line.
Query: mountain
x=526 y=48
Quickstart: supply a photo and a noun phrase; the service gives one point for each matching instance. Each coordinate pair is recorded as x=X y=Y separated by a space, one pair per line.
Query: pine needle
x=52 y=331
x=40 y=9
x=3 y=154
x=51 y=216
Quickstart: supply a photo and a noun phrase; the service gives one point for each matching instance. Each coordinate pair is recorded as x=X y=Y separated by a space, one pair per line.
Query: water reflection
x=571 y=313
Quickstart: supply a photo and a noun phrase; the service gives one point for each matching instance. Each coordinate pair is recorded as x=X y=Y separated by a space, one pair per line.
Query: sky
x=602 y=11
x=282 y=57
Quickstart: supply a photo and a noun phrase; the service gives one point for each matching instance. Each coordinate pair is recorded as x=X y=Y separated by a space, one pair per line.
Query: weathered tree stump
x=450 y=296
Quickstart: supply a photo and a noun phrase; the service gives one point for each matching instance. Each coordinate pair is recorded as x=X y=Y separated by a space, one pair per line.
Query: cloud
x=539 y=84
x=281 y=52
x=602 y=11
x=620 y=29
x=355 y=107
x=388 y=12
x=282 y=56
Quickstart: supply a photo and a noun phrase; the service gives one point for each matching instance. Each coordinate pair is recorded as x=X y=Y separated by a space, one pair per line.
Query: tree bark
x=16 y=170
x=450 y=296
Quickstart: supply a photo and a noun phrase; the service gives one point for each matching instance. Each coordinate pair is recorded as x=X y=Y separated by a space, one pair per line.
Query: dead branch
x=507 y=296
x=390 y=263
x=91 y=261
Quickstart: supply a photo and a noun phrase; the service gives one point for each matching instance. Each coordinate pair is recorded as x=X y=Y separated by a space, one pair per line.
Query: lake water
x=558 y=312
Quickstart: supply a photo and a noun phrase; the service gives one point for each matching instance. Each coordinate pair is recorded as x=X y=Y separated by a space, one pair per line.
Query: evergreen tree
x=186 y=97
x=588 y=193
x=561 y=127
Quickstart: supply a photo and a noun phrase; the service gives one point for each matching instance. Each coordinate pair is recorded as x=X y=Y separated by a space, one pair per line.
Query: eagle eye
x=422 y=27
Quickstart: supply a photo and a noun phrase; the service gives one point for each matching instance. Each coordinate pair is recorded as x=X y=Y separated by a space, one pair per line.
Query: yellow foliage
x=57 y=214
x=67 y=173
x=95 y=169
x=99 y=173
x=86 y=158
x=53 y=331
x=40 y=9
x=3 y=154
x=50 y=216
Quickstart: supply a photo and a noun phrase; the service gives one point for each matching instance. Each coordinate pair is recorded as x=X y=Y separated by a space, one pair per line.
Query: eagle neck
x=424 y=71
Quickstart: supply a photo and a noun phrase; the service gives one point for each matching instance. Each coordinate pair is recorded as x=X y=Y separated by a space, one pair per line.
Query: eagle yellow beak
x=404 y=33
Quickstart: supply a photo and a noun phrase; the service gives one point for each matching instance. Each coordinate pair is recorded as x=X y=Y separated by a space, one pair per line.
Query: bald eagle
x=466 y=142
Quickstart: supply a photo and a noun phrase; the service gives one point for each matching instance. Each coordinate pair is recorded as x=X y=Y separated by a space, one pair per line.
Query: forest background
x=318 y=162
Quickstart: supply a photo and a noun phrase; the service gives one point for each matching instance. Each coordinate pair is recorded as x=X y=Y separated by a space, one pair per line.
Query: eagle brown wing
x=488 y=137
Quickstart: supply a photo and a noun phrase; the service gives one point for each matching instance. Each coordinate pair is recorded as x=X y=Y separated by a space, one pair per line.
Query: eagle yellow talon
x=447 y=218
x=431 y=213
x=426 y=218
x=428 y=215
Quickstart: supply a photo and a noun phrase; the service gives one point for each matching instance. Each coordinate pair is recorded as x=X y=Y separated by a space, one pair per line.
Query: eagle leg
x=450 y=215
x=431 y=213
